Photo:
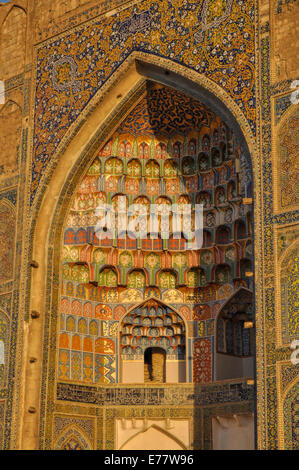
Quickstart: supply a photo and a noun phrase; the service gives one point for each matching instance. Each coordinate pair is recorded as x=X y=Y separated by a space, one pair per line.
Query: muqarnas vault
x=127 y=342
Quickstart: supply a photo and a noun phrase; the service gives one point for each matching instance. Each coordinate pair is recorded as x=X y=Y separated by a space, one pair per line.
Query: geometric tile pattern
x=159 y=28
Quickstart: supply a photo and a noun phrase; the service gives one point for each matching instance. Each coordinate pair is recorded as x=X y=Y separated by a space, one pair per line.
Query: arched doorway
x=152 y=345
x=153 y=438
x=235 y=342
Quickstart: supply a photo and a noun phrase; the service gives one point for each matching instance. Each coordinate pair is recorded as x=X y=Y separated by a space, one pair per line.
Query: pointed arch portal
x=148 y=112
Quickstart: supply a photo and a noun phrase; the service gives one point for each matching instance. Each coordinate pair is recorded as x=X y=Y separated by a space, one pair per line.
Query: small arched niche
x=152 y=345
x=153 y=438
x=235 y=337
x=155 y=365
